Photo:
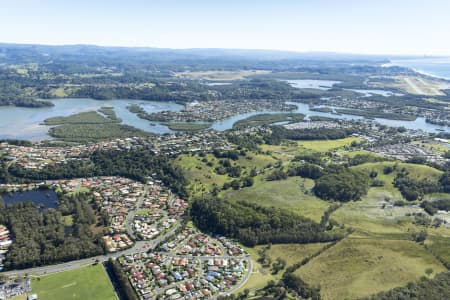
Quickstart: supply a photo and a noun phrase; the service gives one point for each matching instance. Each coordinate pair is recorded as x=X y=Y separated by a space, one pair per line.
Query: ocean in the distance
x=436 y=66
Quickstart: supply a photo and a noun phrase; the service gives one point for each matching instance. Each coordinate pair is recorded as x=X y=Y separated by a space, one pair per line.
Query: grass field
x=202 y=177
x=20 y=297
x=288 y=151
x=361 y=267
x=289 y=194
x=327 y=145
x=439 y=244
x=435 y=147
x=420 y=86
x=416 y=85
x=221 y=75
x=418 y=172
x=85 y=283
x=377 y=256
x=369 y=218
x=291 y=253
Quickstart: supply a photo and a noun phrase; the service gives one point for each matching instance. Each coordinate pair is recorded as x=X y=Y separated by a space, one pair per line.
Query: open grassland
x=62 y=92
x=327 y=145
x=288 y=150
x=434 y=100
x=20 y=297
x=439 y=244
x=352 y=154
x=369 y=218
x=291 y=253
x=433 y=146
x=416 y=85
x=377 y=256
x=221 y=75
x=360 y=267
x=85 y=283
x=419 y=86
x=417 y=172
x=293 y=193
x=202 y=177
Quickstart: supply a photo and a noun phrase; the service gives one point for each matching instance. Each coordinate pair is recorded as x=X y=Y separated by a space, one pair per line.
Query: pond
x=41 y=198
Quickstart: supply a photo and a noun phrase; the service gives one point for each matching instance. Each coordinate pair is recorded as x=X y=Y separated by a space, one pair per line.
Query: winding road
x=139 y=246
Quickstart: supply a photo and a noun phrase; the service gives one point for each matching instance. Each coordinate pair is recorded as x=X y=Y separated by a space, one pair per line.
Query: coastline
x=398 y=63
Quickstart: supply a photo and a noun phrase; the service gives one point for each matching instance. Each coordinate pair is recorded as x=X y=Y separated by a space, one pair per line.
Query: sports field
x=85 y=283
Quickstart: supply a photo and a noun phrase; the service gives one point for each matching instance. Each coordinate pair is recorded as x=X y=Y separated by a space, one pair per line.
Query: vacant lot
x=221 y=75
x=85 y=283
x=291 y=253
x=361 y=267
x=293 y=193
x=288 y=150
x=327 y=145
x=200 y=171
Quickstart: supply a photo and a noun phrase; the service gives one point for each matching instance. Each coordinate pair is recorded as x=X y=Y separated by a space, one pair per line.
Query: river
x=26 y=123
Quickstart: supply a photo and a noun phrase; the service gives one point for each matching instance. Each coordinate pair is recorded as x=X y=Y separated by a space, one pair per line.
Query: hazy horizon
x=344 y=27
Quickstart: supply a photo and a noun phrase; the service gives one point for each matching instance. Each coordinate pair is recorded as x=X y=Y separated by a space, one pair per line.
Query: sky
x=419 y=27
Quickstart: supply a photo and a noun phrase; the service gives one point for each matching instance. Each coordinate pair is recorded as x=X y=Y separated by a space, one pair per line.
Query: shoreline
x=423 y=72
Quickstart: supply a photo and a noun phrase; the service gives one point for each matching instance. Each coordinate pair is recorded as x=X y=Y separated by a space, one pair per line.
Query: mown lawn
x=85 y=283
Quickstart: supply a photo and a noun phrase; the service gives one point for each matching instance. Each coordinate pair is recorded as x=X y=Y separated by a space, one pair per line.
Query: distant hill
x=27 y=53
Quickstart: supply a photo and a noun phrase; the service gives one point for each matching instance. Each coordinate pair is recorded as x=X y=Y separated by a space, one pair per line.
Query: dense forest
x=125 y=289
x=343 y=186
x=41 y=237
x=252 y=224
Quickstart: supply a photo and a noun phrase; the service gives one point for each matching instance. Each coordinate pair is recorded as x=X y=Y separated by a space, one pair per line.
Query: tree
x=344 y=186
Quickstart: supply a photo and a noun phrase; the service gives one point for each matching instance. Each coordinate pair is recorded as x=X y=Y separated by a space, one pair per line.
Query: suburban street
x=139 y=246
x=132 y=213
